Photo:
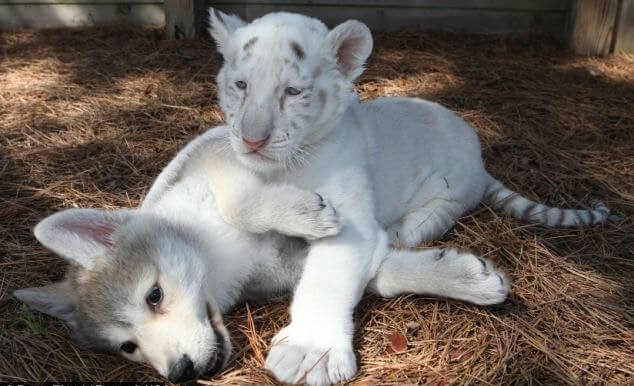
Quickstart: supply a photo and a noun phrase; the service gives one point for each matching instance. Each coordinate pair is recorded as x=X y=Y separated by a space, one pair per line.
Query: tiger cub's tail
x=514 y=204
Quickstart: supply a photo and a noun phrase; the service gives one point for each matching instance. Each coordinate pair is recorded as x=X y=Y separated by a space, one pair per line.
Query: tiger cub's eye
x=293 y=91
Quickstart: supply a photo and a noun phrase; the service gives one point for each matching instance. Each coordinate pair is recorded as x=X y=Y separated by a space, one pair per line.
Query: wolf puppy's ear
x=55 y=300
x=221 y=26
x=350 y=43
x=81 y=235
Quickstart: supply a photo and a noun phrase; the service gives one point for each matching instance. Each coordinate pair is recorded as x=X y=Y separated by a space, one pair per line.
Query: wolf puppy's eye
x=241 y=84
x=128 y=347
x=292 y=91
x=155 y=296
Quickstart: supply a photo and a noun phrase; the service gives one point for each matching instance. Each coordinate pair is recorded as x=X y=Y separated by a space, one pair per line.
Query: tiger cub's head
x=285 y=82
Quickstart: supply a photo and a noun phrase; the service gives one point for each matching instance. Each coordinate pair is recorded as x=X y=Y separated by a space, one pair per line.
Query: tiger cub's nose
x=255 y=145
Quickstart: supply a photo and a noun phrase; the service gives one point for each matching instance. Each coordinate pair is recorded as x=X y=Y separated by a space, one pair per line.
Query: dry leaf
x=398 y=343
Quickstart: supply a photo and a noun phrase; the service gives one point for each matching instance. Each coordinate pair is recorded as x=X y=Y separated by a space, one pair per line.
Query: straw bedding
x=89 y=117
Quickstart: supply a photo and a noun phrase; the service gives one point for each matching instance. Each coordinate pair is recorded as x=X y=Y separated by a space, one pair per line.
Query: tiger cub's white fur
x=406 y=165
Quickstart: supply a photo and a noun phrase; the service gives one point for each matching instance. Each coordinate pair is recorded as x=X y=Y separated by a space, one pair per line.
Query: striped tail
x=512 y=203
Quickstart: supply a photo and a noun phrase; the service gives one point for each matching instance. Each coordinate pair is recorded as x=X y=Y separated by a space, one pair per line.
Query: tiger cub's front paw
x=314 y=218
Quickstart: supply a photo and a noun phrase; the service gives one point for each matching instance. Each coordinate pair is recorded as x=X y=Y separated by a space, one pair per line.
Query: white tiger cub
x=406 y=165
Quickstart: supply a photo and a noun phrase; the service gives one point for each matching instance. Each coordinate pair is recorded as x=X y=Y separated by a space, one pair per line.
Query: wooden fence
x=591 y=27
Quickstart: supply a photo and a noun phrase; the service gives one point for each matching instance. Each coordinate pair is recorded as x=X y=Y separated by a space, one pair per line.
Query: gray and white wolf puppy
x=151 y=283
x=396 y=169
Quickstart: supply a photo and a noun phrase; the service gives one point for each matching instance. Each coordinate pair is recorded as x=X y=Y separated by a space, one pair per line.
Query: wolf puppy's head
x=135 y=287
x=285 y=83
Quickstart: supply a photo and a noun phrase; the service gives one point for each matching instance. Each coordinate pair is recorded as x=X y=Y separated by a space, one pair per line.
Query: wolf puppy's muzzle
x=182 y=370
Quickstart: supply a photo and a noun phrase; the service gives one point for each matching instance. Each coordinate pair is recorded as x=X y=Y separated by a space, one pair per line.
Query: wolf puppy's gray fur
x=179 y=242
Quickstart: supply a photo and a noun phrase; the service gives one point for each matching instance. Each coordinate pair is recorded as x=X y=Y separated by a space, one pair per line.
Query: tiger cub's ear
x=221 y=27
x=350 y=44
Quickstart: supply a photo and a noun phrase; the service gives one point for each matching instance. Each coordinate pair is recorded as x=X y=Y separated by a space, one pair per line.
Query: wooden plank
x=18 y=16
x=184 y=18
x=624 y=41
x=591 y=26
x=91 y=2
x=486 y=16
x=389 y=19
x=550 y=5
x=179 y=19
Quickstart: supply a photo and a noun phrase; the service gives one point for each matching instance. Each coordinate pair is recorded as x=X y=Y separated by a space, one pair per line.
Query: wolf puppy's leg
x=316 y=347
x=441 y=272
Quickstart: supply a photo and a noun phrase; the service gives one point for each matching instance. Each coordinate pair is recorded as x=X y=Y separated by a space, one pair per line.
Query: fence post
x=592 y=26
x=184 y=19
x=625 y=28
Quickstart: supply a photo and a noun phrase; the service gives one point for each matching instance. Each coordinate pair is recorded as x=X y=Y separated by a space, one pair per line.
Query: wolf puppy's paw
x=474 y=279
x=297 y=360
x=313 y=218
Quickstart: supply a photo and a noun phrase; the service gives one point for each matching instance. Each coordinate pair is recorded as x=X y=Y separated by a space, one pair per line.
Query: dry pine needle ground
x=89 y=117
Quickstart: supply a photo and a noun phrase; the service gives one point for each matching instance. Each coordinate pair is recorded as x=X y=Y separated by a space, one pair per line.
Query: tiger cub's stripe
x=516 y=205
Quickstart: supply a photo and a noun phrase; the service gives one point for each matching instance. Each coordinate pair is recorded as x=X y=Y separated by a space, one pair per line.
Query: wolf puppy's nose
x=255 y=145
x=182 y=370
